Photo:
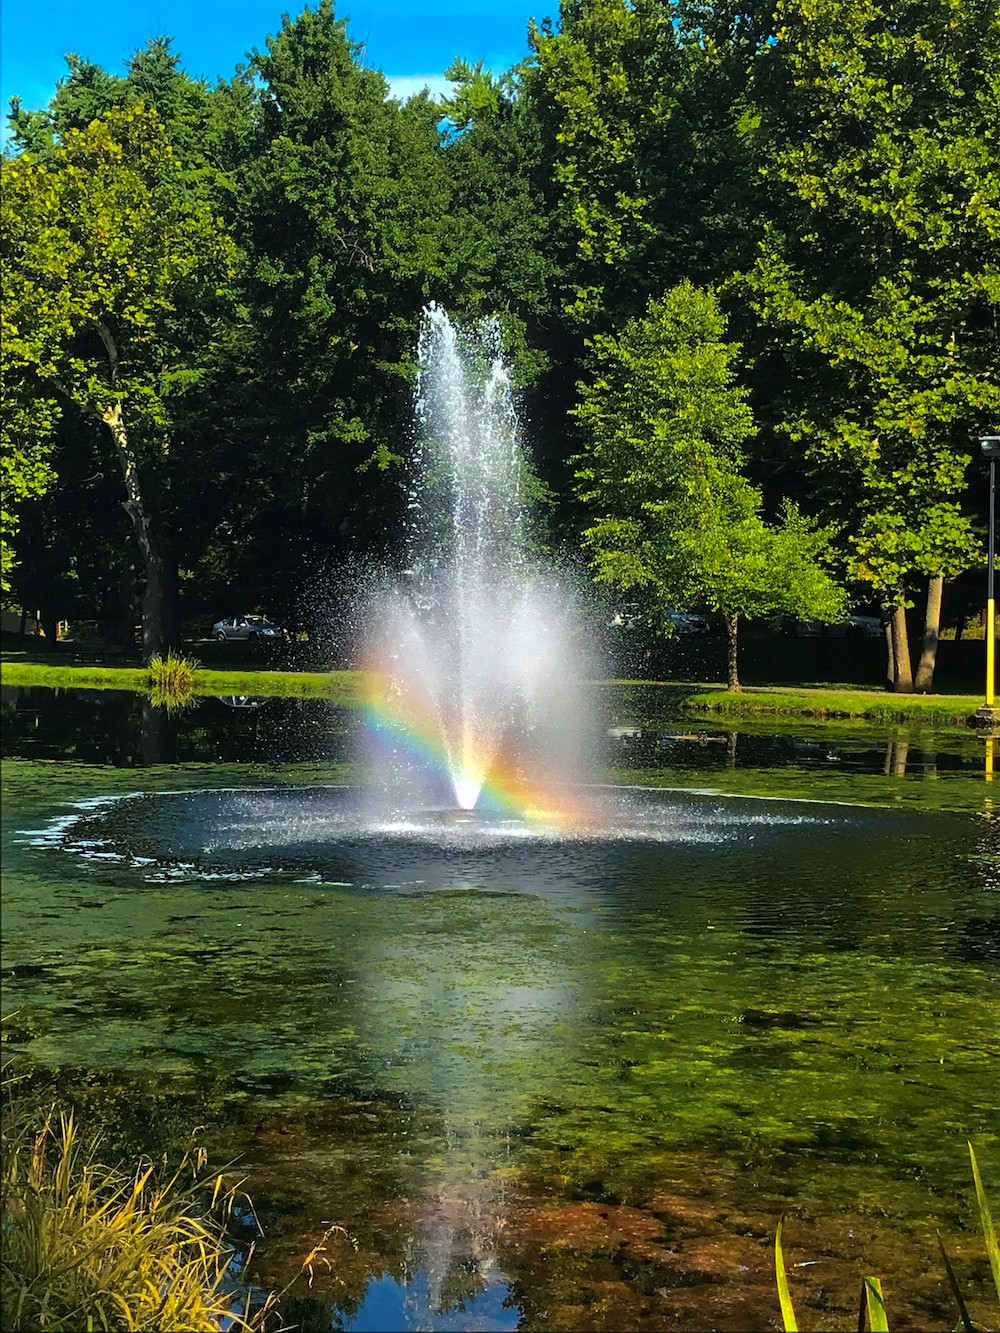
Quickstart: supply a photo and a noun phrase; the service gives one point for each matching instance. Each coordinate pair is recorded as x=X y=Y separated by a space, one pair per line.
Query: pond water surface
x=541 y=1080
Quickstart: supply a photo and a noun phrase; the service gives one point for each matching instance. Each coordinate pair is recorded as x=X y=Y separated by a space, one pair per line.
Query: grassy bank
x=344 y=685
x=816 y=702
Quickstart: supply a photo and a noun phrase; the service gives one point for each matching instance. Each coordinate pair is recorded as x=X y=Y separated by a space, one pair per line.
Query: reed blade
x=784 y=1296
x=878 y=1321
x=963 y=1313
x=989 y=1234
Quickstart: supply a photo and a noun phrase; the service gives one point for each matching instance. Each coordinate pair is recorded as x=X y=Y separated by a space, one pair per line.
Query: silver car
x=246 y=627
x=687 y=624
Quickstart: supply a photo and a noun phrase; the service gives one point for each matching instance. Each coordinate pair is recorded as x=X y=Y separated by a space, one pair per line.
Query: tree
x=106 y=257
x=878 y=277
x=26 y=441
x=664 y=422
x=606 y=95
x=342 y=213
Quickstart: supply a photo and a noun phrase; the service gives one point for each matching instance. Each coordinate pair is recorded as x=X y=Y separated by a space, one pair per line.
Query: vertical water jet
x=475 y=654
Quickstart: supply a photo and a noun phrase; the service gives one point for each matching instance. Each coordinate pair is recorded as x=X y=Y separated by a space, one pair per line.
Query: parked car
x=246 y=627
x=687 y=624
x=865 y=627
x=854 y=627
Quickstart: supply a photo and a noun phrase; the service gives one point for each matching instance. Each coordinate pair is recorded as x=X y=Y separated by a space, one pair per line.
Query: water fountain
x=476 y=928
x=475 y=657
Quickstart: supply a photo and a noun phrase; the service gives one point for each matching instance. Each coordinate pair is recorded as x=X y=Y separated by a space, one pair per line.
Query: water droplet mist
x=476 y=661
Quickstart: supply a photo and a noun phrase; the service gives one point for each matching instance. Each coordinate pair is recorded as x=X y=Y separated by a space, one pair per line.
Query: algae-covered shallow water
x=544 y=1079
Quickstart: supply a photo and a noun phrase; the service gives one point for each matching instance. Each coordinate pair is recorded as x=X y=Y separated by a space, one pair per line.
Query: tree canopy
x=747 y=266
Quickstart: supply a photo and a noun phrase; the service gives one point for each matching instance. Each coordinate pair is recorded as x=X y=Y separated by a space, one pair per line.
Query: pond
x=562 y=1081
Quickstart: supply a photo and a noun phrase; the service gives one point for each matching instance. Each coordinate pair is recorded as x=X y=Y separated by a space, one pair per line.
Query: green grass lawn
x=820 y=701
x=817 y=701
x=344 y=685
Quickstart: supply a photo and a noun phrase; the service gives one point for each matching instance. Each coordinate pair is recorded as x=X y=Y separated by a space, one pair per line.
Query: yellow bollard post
x=990 y=445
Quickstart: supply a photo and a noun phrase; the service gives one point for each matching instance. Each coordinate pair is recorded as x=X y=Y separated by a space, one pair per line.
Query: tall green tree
x=878 y=277
x=342 y=215
x=106 y=257
x=207 y=129
x=665 y=422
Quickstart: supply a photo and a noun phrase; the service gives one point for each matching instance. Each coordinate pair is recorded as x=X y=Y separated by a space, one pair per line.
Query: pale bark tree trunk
x=890 y=656
x=157 y=634
x=902 y=671
x=152 y=598
x=932 y=634
x=125 y=626
x=732 y=625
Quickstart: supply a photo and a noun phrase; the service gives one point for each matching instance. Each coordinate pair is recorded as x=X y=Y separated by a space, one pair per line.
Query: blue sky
x=412 y=41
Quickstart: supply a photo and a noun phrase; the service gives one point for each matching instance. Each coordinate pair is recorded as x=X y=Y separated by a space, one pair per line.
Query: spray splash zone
x=475 y=664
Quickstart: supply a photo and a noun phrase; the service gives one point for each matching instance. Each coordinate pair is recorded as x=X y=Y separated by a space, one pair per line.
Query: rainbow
x=487 y=779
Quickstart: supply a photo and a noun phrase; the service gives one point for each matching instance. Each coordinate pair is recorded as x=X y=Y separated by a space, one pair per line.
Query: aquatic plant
x=172 y=681
x=872 y=1310
x=92 y=1246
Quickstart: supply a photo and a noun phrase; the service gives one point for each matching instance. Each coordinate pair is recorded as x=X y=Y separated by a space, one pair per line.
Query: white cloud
x=405 y=85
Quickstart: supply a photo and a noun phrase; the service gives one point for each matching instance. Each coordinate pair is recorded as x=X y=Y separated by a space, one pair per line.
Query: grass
x=88 y=1246
x=171 y=681
x=98 y=1247
x=821 y=701
x=344 y=685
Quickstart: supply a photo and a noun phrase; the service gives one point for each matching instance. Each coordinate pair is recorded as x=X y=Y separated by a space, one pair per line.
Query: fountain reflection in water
x=475 y=660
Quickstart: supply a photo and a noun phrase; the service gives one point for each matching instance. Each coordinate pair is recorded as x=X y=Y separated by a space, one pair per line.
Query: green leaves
x=872 y=274
x=665 y=422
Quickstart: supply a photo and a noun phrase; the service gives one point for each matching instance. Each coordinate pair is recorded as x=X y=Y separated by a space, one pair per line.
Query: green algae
x=776 y=1034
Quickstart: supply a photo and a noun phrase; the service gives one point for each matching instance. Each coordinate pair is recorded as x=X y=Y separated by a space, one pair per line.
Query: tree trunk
x=732 y=625
x=890 y=656
x=932 y=632
x=125 y=626
x=902 y=671
x=50 y=628
x=171 y=601
x=155 y=634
